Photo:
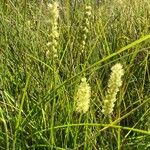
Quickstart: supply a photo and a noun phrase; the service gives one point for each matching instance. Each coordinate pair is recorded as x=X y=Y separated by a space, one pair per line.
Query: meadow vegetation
x=47 y=52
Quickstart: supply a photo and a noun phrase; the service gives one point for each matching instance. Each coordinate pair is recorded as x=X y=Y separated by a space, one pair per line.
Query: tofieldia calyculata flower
x=82 y=97
x=85 y=26
x=54 y=35
x=113 y=87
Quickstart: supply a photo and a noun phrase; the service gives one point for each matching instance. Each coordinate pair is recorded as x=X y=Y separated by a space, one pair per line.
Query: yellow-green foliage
x=42 y=106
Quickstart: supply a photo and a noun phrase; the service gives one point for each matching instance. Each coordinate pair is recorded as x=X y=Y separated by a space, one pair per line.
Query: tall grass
x=37 y=91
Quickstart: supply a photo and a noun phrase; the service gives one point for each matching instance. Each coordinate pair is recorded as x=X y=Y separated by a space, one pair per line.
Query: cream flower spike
x=54 y=35
x=86 y=26
x=113 y=87
x=82 y=97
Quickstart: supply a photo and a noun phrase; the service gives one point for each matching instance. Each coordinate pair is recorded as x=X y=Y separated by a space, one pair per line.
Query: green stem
x=19 y=114
x=5 y=128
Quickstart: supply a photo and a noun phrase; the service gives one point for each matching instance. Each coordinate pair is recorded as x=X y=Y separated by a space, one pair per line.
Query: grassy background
x=37 y=95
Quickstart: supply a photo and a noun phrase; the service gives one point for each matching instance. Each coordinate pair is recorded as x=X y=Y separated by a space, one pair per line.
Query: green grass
x=37 y=92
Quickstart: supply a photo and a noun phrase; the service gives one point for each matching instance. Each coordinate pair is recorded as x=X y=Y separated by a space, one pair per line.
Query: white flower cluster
x=82 y=97
x=54 y=35
x=113 y=87
x=85 y=26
